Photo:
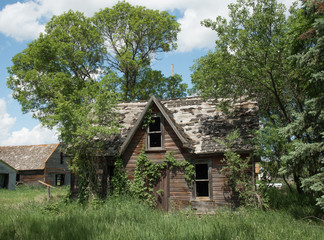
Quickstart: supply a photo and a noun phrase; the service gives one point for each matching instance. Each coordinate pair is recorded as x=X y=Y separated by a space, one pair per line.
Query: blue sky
x=22 y=21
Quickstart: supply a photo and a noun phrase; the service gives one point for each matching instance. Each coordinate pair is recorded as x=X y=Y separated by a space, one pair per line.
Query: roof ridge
x=30 y=145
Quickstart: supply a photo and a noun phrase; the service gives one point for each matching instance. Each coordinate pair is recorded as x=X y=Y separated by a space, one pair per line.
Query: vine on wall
x=147 y=174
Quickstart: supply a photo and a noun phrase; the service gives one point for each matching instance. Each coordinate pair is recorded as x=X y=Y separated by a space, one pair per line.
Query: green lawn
x=25 y=214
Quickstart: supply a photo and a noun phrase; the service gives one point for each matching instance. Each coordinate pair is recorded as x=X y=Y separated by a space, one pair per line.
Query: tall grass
x=126 y=218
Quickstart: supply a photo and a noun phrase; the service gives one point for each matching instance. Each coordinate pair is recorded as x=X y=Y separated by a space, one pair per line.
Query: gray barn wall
x=4 y=169
x=53 y=167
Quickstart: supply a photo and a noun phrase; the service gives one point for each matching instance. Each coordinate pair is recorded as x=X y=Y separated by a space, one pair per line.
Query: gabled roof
x=6 y=164
x=31 y=157
x=151 y=101
x=196 y=122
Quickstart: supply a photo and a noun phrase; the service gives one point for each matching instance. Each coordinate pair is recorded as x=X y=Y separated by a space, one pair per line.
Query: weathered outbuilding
x=7 y=176
x=188 y=127
x=43 y=162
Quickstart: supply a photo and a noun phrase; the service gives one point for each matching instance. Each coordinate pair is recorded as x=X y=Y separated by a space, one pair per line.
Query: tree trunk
x=298 y=183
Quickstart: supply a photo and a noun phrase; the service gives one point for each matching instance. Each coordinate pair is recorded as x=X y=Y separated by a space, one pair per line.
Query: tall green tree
x=134 y=35
x=58 y=79
x=253 y=58
x=73 y=74
x=307 y=130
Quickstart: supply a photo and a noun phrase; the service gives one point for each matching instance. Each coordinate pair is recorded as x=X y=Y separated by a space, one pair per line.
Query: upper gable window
x=155 y=133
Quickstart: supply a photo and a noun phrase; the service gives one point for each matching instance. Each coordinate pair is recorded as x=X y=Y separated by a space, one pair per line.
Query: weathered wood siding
x=31 y=176
x=179 y=194
x=54 y=166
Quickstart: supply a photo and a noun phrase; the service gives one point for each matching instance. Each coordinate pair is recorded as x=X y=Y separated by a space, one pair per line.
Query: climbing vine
x=148 y=174
x=147 y=120
x=188 y=167
x=120 y=183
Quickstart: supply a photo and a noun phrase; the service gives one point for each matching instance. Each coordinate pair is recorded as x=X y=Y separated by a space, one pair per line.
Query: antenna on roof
x=172 y=79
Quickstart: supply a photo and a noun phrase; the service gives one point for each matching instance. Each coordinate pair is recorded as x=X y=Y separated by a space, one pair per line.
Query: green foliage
x=71 y=76
x=148 y=174
x=238 y=171
x=147 y=120
x=153 y=82
x=186 y=166
x=251 y=59
x=277 y=60
x=120 y=182
x=134 y=34
x=307 y=130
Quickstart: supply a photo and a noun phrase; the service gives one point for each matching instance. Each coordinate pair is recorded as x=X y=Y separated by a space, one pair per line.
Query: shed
x=44 y=162
x=7 y=176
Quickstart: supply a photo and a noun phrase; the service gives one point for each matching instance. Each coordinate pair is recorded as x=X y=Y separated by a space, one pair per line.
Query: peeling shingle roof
x=198 y=122
x=31 y=157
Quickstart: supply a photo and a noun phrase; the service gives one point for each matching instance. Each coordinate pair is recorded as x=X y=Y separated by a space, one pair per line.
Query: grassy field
x=25 y=214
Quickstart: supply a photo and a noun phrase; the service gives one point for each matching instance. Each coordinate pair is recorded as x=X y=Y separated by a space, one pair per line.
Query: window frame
x=148 y=133
x=209 y=180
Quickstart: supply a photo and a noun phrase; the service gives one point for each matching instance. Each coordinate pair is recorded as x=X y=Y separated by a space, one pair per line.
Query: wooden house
x=7 y=176
x=37 y=162
x=188 y=127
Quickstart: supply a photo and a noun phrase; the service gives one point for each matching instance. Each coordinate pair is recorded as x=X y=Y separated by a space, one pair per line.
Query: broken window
x=154 y=134
x=202 y=180
x=61 y=158
x=59 y=179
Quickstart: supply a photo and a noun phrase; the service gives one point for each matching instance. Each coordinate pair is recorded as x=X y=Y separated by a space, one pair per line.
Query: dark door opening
x=4 y=180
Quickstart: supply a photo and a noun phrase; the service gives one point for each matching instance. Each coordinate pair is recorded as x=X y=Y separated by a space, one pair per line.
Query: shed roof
x=197 y=123
x=31 y=157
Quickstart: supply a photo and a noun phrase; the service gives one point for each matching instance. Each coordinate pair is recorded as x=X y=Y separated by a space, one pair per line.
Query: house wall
x=8 y=173
x=179 y=195
x=53 y=167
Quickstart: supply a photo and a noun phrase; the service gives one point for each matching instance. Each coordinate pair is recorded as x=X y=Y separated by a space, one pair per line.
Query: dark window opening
x=202 y=180
x=155 y=125
x=201 y=171
x=61 y=158
x=154 y=133
x=155 y=140
x=59 y=179
x=202 y=189
x=17 y=177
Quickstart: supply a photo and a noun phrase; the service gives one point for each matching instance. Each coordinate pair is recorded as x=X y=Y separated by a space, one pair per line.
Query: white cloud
x=21 y=20
x=24 y=21
x=6 y=122
x=37 y=135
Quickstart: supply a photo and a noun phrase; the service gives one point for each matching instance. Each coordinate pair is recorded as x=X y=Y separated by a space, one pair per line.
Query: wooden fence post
x=48 y=189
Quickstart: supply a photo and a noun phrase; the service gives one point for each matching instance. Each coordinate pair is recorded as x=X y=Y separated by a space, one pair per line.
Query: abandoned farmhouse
x=188 y=127
x=32 y=163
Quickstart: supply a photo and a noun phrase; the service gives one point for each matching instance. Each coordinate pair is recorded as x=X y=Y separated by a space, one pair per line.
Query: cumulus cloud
x=37 y=135
x=6 y=122
x=24 y=21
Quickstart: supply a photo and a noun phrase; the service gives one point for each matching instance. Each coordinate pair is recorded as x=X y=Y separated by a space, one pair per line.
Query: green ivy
x=147 y=120
x=120 y=183
x=188 y=167
x=148 y=174
x=237 y=171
